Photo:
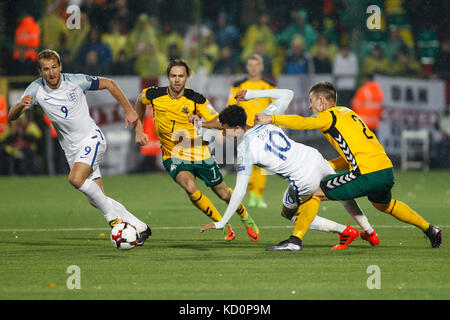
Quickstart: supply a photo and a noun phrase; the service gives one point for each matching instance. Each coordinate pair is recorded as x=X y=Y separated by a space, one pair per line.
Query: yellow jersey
x=251 y=107
x=178 y=137
x=348 y=134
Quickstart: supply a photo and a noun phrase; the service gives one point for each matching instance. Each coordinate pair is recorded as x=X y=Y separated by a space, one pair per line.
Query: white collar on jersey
x=44 y=83
x=251 y=130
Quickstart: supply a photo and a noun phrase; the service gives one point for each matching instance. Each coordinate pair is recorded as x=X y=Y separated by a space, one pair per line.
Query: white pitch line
x=183 y=228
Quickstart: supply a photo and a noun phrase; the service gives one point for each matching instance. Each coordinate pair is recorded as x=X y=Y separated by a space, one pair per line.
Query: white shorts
x=299 y=191
x=90 y=151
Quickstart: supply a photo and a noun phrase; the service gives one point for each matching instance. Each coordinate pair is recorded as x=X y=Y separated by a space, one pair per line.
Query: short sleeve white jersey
x=66 y=107
x=268 y=147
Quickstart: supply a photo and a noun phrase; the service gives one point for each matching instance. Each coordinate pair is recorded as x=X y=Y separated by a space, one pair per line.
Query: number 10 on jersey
x=274 y=147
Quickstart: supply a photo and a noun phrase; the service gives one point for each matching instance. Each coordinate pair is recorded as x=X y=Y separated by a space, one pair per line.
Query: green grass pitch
x=47 y=226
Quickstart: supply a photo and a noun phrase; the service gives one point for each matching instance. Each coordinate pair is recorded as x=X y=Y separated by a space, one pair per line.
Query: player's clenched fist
x=262 y=118
x=27 y=101
x=20 y=107
x=240 y=96
x=141 y=138
x=195 y=119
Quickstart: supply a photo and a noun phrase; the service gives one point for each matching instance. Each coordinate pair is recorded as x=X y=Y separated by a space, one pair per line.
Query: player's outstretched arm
x=236 y=198
x=240 y=95
x=322 y=121
x=212 y=124
x=20 y=107
x=130 y=115
x=282 y=99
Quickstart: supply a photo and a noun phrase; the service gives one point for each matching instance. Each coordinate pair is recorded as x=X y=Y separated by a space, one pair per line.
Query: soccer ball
x=124 y=236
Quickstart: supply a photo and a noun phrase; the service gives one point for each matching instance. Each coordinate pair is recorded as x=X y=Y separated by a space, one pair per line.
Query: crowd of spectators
x=133 y=37
x=117 y=37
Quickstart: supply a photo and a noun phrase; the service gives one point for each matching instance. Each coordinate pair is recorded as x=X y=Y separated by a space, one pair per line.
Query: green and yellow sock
x=202 y=202
x=307 y=211
x=404 y=213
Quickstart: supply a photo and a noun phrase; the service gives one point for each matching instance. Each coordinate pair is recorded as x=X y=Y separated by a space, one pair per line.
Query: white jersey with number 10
x=268 y=147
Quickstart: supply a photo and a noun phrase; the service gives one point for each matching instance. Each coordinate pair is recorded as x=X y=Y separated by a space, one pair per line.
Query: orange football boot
x=371 y=237
x=346 y=237
x=229 y=233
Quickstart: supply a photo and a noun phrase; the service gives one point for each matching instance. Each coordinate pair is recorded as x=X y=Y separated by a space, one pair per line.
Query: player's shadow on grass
x=202 y=244
x=206 y=245
x=57 y=242
x=28 y=243
x=40 y=243
x=109 y=257
x=190 y=246
x=84 y=239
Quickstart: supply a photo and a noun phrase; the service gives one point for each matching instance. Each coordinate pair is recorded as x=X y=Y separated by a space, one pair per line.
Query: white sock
x=93 y=192
x=355 y=211
x=127 y=216
x=323 y=224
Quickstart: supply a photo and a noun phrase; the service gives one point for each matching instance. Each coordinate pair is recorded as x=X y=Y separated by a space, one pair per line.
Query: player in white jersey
x=61 y=97
x=303 y=167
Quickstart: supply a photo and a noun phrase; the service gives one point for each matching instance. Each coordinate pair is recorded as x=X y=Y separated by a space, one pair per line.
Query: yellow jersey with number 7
x=348 y=134
x=178 y=137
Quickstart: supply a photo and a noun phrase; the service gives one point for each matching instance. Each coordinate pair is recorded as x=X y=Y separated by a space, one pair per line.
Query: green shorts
x=207 y=170
x=376 y=186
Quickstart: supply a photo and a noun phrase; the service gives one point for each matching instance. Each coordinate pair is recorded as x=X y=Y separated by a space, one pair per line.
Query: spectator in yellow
x=53 y=29
x=193 y=56
x=254 y=81
x=257 y=33
x=209 y=51
x=169 y=37
x=194 y=34
x=151 y=63
x=203 y=52
x=267 y=60
x=77 y=37
x=406 y=65
x=115 y=39
x=375 y=62
x=324 y=42
x=142 y=33
x=19 y=142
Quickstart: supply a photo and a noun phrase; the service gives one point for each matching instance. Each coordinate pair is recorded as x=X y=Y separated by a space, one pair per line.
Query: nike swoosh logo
x=47 y=99
x=253 y=237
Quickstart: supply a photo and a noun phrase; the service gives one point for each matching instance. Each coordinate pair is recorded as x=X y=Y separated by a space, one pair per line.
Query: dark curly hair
x=234 y=116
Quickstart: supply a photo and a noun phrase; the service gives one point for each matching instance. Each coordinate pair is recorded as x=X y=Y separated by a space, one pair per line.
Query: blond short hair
x=48 y=54
x=325 y=89
x=256 y=57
